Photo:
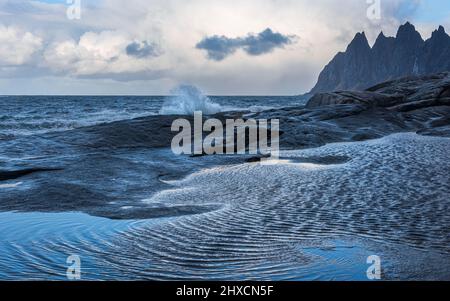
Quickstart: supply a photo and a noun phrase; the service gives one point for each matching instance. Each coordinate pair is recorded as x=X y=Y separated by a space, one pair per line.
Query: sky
x=224 y=47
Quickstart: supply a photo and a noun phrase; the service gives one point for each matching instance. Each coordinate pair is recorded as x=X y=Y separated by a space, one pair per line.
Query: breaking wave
x=186 y=100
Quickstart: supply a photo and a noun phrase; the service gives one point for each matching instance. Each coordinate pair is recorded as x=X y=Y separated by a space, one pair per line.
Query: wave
x=186 y=100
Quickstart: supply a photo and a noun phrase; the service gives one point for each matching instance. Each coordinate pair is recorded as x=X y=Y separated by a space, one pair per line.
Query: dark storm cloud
x=142 y=49
x=219 y=47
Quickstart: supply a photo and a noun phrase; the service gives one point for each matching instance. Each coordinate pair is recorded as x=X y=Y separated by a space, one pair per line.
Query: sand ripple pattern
x=395 y=190
x=288 y=221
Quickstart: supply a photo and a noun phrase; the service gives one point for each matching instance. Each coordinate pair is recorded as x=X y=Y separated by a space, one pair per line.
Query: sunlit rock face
x=361 y=66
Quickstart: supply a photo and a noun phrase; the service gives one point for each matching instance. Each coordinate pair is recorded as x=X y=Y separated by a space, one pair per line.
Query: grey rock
x=405 y=94
x=418 y=104
x=353 y=97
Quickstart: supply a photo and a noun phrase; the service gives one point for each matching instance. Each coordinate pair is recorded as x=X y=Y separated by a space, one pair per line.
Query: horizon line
x=153 y=95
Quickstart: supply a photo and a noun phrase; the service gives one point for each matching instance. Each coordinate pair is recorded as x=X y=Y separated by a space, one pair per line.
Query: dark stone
x=15 y=174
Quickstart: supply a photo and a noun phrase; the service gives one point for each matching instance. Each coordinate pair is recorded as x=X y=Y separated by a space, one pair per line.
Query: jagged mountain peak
x=406 y=28
x=408 y=31
x=381 y=41
x=440 y=32
x=361 y=36
x=361 y=66
x=359 y=42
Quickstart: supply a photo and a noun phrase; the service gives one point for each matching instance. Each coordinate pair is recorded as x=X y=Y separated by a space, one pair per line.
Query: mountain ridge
x=406 y=54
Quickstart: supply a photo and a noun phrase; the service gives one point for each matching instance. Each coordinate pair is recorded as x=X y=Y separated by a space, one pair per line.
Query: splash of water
x=186 y=100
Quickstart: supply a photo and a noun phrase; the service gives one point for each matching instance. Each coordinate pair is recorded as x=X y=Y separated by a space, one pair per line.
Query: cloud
x=17 y=47
x=101 y=55
x=142 y=49
x=220 y=47
x=93 y=50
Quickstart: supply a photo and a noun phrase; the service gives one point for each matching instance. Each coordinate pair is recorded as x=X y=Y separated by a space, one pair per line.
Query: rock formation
x=361 y=66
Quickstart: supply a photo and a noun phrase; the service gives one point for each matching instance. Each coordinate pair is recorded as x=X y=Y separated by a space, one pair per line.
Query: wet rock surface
x=104 y=168
x=411 y=104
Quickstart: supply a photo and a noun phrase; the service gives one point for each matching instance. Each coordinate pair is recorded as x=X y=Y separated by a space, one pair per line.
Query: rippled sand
x=298 y=220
